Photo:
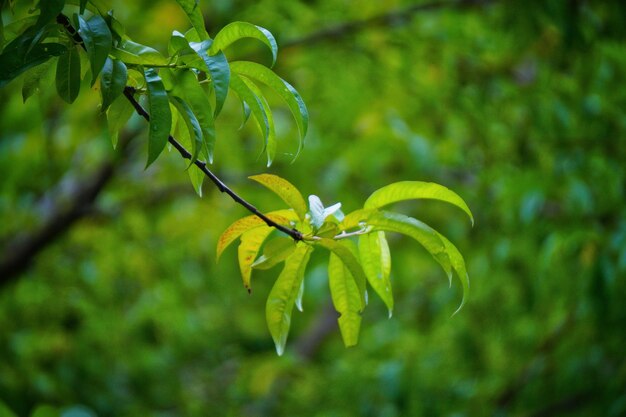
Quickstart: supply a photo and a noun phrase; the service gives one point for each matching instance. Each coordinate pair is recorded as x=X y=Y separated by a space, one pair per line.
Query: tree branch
x=293 y=233
x=129 y=93
x=18 y=253
x=388 y=18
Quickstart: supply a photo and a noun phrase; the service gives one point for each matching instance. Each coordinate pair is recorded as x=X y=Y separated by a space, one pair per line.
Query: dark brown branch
x=18 y=253
x=129 y=93
x=393 y=17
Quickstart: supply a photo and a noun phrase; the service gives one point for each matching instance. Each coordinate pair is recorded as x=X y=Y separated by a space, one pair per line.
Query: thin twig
x=293 y=233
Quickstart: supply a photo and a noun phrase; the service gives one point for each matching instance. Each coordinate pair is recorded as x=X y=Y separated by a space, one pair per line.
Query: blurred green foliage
x=519 y=107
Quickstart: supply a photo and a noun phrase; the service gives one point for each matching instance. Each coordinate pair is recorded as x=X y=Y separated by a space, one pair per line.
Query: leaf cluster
x=185 y=89
x=359 y=255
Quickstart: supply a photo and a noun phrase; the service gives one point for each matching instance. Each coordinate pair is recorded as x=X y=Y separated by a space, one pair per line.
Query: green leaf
x=376 y=261
x=180 y=130
x=218 y=69
x=83 y=4
x=248 y=250
x=195 y=96
x=283 y=295
x=195 y=131
x=409 y=190
x=68 y=75
x=355 y=219
x=295 y=103
x=270 y=143
x=112 y=81
x=118 y=114
x=134 y=53
x=346 y=299
x=160 y=115
x=285 y=190
x=49 y=9
x=32 y=80
x=239 y=30
x=349 y=258
x=274 y=252
x=98 y=41
x=14 y=60
x=283 y=217
x=256 y=106
x=424 y=234
x=193 y=12
x=458 y=263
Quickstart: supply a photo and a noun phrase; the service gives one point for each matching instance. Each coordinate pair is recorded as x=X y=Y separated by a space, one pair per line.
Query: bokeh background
x=517 y=106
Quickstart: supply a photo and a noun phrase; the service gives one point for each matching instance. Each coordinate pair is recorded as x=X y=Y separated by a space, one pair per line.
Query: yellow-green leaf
x=346 y=299
x=458 y=263
x=376 y=261
x=283 y=217
x=424 y=234
x=285 y=190
x=283 y=295
x=410 y=190
x=350 y=259
x=249 y=247
x=274 y=252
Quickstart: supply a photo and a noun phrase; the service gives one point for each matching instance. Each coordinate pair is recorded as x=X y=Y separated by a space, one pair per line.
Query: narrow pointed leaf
x=118 y=114
x=196 y=98
x=160 y=115
x=283 y=295
x=270 y=143
x=195 y=131
x=263 y=74
x=98 y=41
x=248 y=250
x=32 y=80
x=256 y=107
x=299 y=297
x=285 y=190
x=68 y=75
x=134 y=53
x=350 y=259
x=410 y=190
x=376 y=261
x=239 y=30
x=193 y=12
x=458 y=263
x=180 y=130
x=218 y=69
x=112 y=81
x=414 y=228
x=346 y=299
x=14 y=60
x=283 y=217
x=274 y=252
